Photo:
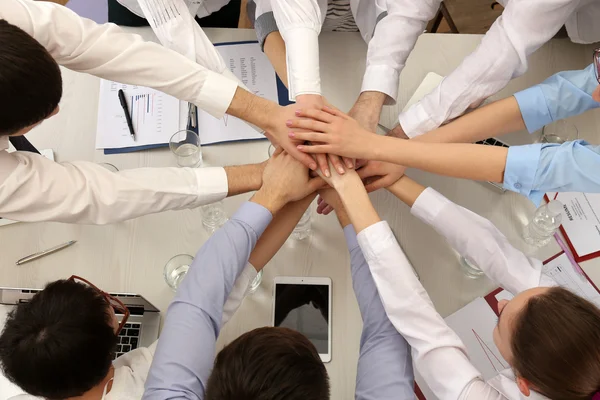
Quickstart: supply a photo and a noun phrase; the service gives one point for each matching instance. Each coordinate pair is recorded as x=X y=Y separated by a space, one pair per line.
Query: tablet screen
x=304 y=308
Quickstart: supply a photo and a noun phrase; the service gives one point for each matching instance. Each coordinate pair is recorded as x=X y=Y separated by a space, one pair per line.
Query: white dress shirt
x=33 y=188
x=300 y=23
x=523 y=27
x=438 y=352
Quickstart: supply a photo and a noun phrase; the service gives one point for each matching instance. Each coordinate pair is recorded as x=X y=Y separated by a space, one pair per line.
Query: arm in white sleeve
x=38 y=189
x=300 y=22
x=477 y=239
x=437 y=352
x=108 y=52
x=523 y=27
x=400 y=22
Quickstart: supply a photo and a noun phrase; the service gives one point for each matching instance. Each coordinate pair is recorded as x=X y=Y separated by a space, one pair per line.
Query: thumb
x=315 y=184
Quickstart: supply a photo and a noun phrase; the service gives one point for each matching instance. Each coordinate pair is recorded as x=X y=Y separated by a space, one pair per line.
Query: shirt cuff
x=254 y=215
x=212 y=184
x=429 y=205
x=416 y=121
x=521 y=166
x=302 y=54
x=375 y=239
x=534 y=108
x=350 y=235
x=384 y=79
x=216 y=94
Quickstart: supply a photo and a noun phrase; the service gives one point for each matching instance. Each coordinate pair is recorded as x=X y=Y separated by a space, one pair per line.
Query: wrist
x=268 y=199
x=252 y=108
x=371 y=101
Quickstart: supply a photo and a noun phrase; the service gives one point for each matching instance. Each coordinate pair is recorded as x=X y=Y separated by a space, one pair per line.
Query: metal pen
x=43 y=253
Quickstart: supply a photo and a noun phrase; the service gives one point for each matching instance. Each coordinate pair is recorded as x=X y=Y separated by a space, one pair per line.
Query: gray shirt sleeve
x=384 y=364
x=186 y=349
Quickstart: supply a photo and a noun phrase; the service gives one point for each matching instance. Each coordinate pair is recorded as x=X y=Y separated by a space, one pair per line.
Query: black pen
x=126 y=110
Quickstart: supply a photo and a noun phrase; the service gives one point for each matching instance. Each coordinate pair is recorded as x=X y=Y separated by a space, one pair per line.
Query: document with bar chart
x=155 y=116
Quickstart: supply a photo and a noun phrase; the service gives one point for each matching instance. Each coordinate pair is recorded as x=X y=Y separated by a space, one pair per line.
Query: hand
x=339 y=181
x=379 y=174
x=339 y=134
x=330 y=196
x=277 y=133
x=367 y=109
x=284 y=180
x=398 y=132
x=316 y=102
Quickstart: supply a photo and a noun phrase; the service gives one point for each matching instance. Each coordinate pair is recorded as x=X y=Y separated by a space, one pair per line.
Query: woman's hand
x=332 y=131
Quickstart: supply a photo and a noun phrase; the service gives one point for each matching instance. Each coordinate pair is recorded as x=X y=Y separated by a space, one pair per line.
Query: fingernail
x=300 y=147
x=341 y=169
x=327 y=173
x=297 y=112
x=288 y=122
x=291 y=134
x=349 y=164
x=313 y=166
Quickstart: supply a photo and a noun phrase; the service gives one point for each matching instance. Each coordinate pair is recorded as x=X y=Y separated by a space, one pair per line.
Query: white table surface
x=130 y=256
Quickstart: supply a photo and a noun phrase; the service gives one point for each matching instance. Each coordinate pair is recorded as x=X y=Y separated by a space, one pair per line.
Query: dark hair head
x=269 y=364
x=61 y=343
x=30 y=80
x=556 y=345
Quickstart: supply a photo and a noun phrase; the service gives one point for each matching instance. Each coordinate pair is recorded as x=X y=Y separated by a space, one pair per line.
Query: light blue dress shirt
x=186 y=349
x=535 y=169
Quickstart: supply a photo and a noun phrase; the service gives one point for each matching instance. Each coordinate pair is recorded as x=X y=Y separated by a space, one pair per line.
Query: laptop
x=142 y=327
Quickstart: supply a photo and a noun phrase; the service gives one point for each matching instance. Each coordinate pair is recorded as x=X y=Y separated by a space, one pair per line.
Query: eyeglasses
x=112 y=301
x=597 y=64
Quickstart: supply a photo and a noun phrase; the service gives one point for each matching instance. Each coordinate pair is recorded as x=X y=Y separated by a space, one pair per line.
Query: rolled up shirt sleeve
x=536 y=169
x=563 y=95
x=38 y=189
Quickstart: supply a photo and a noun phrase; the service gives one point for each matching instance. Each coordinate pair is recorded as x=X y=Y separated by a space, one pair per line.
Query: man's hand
x=284 y=180
x=336 y=132
x=367 y=109
x=398 y=132
x=379 y=174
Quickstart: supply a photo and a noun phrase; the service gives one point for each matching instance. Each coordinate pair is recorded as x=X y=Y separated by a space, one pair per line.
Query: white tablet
x=304 y=304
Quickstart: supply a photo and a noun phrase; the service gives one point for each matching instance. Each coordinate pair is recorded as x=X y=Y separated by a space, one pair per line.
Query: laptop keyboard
x=129 y=338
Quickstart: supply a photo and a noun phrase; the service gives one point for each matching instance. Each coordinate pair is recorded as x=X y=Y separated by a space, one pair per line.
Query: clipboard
x=578 y=258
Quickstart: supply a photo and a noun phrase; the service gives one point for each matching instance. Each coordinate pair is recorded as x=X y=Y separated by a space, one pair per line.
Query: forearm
x=252 y=108
x=244 y=178
x=468 y=161
x=495 y=119
x=406 y=190
x=278 y=231
x=357 y=204
x=367 y=108
x=275 y=51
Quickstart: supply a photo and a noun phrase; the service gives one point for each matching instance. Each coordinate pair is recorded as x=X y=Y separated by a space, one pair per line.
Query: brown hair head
x=269 y=364
x=556 y=345
x=30 y=80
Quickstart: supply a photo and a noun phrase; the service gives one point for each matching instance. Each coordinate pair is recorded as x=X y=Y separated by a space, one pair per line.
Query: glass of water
x=213 y=216
x=469 y=269
x=176 y=269
x=186 y=147
x=303 y=228
x=559 y=132
x=256 y=282
x=108 y=166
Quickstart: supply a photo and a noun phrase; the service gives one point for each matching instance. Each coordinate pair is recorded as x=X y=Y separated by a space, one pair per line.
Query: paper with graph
x=155 y=116
x=252 y=67
x=474 y=324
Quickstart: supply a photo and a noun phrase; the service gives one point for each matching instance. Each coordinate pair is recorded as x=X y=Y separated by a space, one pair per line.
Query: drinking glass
x=303 y=228
x=187 y=149
x=108 y=166
x=271 y=150
x=469 y=269
x=559 y=132
x=256 y=282
x=176 y=269
x=213 y=216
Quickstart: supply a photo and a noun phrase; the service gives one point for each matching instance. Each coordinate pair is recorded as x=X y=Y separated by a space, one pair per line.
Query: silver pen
x=43 y=253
